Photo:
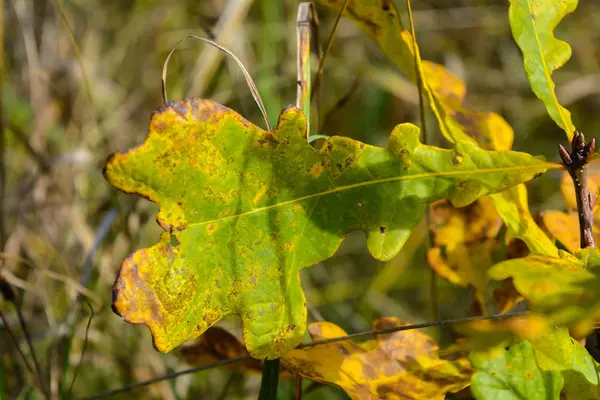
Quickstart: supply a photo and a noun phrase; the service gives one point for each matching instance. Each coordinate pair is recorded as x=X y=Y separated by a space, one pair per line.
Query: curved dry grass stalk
x=249 y=81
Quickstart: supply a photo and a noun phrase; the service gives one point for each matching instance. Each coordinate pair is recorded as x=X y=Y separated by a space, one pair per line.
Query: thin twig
x=16 y=343
x=341 y=102
x=85 y=342
x=2 y=133
x=36 y=363
x=298 y=387
x=576 y=164
x=39 y=158
x=76 y=48
x=249 y=81
x=359 y=335
x=328 y=47
x=9 y=295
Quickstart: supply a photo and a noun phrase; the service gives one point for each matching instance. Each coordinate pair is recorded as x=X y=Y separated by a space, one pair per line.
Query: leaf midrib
x=342 y=188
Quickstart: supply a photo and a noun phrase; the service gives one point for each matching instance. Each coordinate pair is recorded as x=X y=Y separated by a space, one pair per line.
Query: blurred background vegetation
x=80 y=81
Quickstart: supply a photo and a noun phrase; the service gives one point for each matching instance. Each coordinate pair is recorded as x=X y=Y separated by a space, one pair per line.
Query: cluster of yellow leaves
x=402 y=365
x=464 y=239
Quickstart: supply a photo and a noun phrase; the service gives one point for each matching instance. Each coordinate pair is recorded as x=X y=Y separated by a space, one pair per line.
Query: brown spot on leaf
x=316 y=170
x=457 y=160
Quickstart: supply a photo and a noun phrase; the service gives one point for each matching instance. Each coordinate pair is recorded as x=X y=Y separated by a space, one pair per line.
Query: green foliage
x=514 y=374
x=381 y=21
x=245 y=209
x=562 y=289
x=557 y=351
x=513 y=208
x=540 y=368
x=532 y=23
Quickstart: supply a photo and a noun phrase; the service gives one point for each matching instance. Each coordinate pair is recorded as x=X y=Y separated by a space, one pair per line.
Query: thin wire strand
x=249 y=81
x=409 y=327
x=235 y=360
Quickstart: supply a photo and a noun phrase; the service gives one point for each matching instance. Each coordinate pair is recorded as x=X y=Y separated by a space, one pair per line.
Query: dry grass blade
x=249 y=81
x=86 y=81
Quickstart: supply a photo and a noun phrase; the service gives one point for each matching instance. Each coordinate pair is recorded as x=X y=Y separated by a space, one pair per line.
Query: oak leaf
x=244 y=210
x=464 y=239
x=558 y=351
x=563 y=290
x=400 y=365
x=513 y=374
x=532 y=23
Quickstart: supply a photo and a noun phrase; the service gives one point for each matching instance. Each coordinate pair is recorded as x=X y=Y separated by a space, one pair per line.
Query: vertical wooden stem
x=303 y=27
x=576 y=164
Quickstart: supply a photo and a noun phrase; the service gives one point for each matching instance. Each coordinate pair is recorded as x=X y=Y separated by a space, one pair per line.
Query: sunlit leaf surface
x=532 y=23
x=513 y=207
x=513 y=374
x=562 y=289
x=381 y=21
x=400 y=365
x=558 y=351
x=244 y=209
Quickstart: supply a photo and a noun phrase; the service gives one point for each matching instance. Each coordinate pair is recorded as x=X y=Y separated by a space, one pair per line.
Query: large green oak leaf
x=380 y=20
x=245 y=209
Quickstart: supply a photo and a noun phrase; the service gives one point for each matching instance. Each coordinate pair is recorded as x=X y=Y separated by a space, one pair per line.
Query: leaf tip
x=292 y=115
x=404 y=138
